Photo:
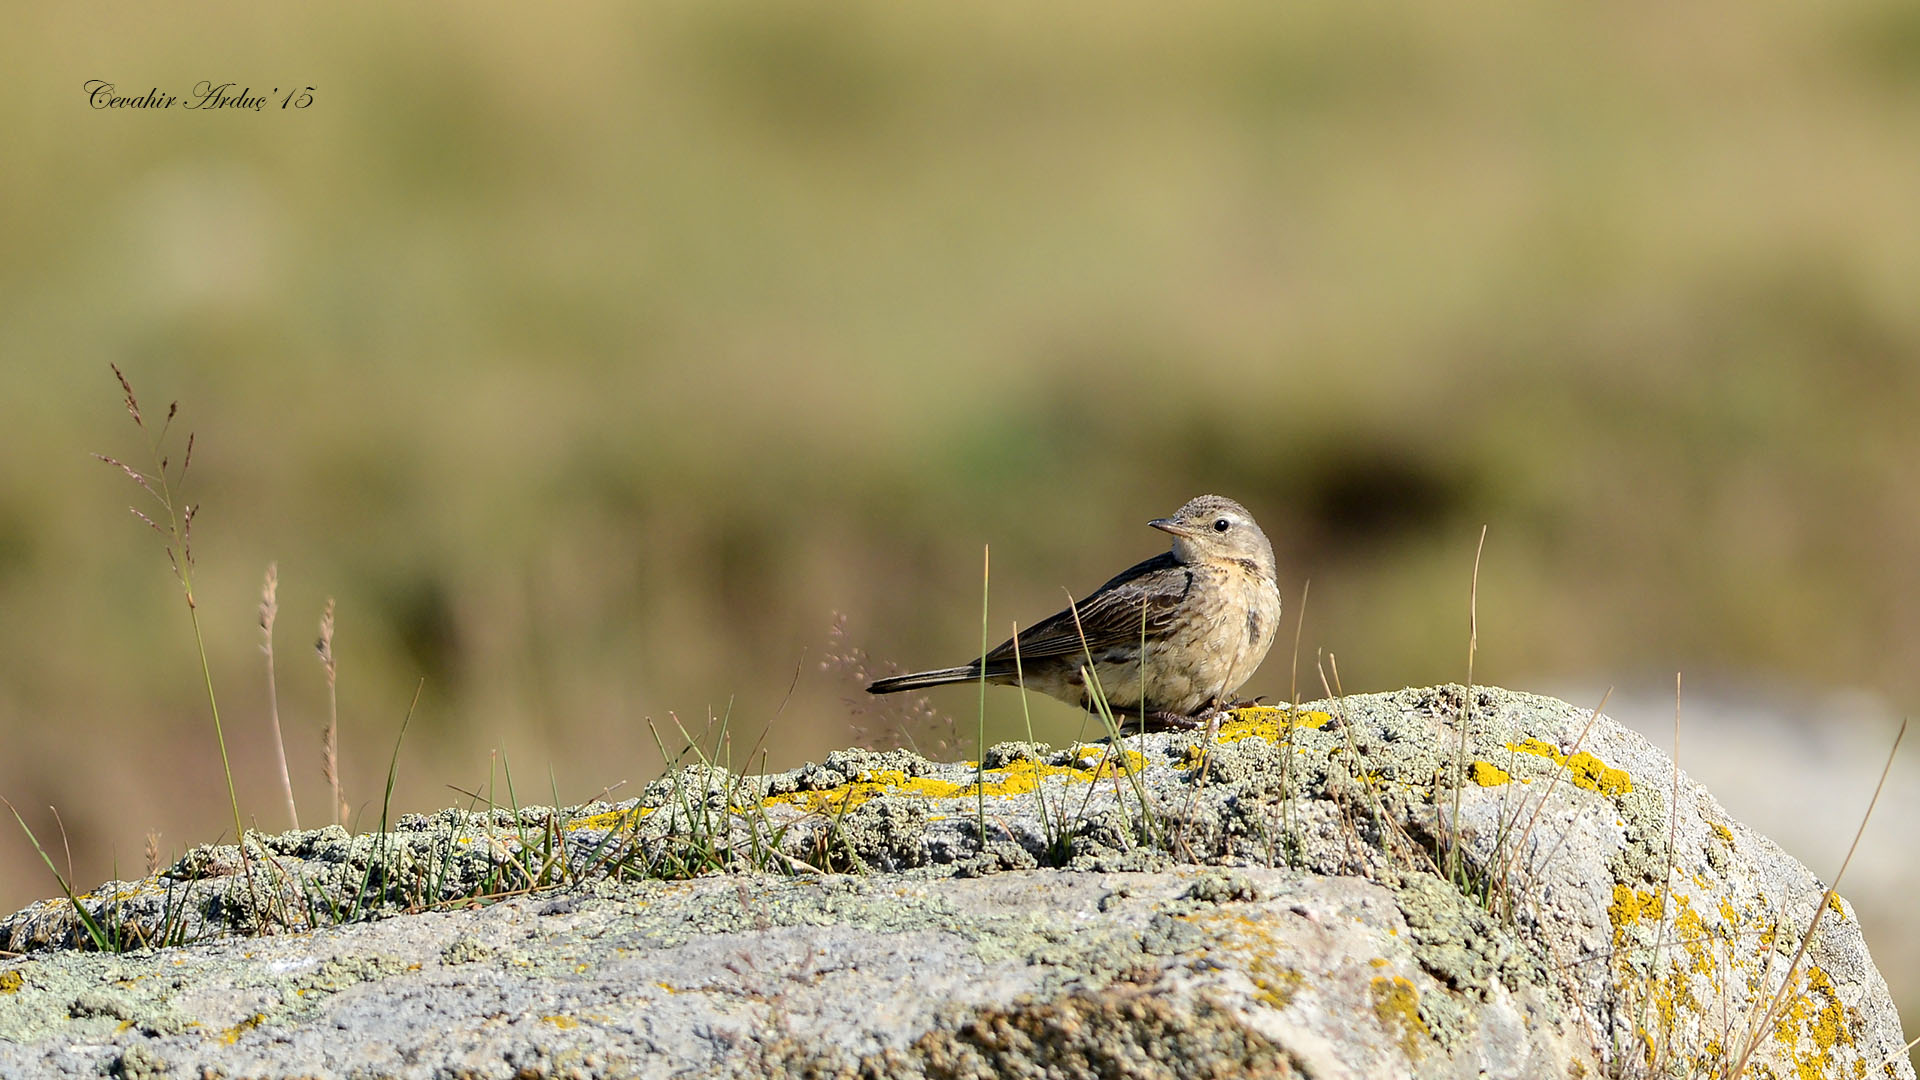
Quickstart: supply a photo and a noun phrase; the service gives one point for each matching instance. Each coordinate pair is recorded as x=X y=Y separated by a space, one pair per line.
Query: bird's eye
x=1221 y=525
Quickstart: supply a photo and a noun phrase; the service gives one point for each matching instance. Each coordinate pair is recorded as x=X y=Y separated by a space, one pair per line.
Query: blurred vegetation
x=595 y=360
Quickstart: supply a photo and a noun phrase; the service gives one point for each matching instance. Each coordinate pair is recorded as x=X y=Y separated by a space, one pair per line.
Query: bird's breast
x=1243 y=624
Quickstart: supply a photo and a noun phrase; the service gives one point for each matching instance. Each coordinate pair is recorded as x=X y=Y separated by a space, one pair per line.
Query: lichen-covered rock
x=1028 y=973
x=1398 y=884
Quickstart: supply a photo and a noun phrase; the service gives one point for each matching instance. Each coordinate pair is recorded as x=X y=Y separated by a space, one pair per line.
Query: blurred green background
x=595 y=359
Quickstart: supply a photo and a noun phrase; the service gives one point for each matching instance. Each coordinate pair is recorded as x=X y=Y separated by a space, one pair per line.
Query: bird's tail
x=920 y=680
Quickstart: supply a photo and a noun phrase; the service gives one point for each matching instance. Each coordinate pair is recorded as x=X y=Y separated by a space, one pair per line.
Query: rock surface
x=1311 y=894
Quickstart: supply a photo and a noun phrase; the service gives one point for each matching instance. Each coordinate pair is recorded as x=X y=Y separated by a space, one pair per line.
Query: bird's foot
x=1168 y=720
x=1164 y=720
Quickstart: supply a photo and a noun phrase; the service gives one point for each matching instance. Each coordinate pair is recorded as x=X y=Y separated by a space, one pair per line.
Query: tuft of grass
x=95 y=931
x=701 y=838
x=358 y=905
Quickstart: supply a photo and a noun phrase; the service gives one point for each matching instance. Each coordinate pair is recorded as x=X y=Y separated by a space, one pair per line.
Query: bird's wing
x=1111 y=616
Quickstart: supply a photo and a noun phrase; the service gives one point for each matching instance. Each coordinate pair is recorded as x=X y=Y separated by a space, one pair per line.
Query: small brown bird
x=1206 y=612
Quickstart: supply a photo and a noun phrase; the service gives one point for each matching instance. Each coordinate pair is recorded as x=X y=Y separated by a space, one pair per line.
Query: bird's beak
x=1168 y=525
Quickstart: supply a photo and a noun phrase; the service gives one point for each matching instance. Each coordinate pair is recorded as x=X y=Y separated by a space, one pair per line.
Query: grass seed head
x=269 y=603
x=133 y=403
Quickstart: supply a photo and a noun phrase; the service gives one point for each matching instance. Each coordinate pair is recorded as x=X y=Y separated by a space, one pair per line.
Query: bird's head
x=1211 y=528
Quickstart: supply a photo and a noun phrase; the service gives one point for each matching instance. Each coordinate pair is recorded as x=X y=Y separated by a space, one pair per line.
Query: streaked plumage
x=1206 y=610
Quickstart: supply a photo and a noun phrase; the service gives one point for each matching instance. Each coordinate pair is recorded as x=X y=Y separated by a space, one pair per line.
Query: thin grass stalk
x=1520 y=846
x=269 y=608
x=179 y=540
x=330 y=746
x=1293 y=723
x=87 y=921
x=668 y=852
x=1466 y=713
x=1757 y=1033
x=1891 y=1058
x=1098 y=695
x=1039 y=788
x=386 y=805
x=1666 y=874
x=1115 y=755
x=980 y=738
x=706 y=822
x=1338 y=692
x=185 y=567
x=1143 y=671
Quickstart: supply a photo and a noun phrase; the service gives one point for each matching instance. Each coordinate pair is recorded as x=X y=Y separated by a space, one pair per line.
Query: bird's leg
x=1156 y=719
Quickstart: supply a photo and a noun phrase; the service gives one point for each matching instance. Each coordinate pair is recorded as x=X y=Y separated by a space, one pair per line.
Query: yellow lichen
x=1103 y=760
x=1258 y=722
x=1253 y=939
x=834 y=800
x=1397 y=1004
x=561 y=1022
x=1587 y=770
x=1487 y=774
x=1273 y=986
x=1021 y=777
x=1536 y=747
x=1267 y=721
x=1692 y=935
x=1015 y=778
x=1818 y=1016
x=610 y=820
x=1595 y=775
x=232 y=1035
x=1631 y=907
x=1725 y=834
x=10 y=982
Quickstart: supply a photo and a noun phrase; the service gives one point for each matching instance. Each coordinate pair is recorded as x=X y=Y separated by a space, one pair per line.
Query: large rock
x=1312 y=894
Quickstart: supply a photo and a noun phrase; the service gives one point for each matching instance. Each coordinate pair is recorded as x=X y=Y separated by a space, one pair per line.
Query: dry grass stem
x=269 y=608
x=330 y=739
x=1757 y=1033
x=1520 y=846
x=1299 y=625
x=1466 y=710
